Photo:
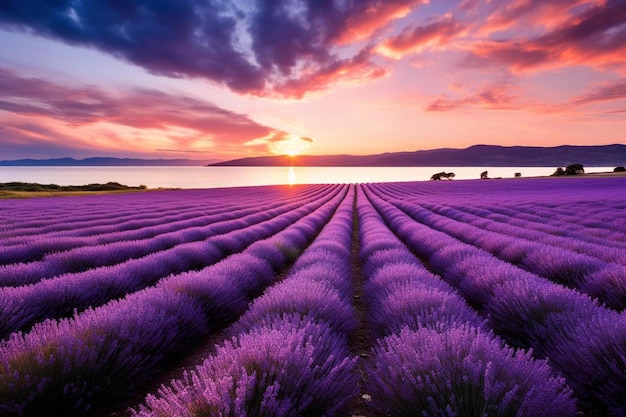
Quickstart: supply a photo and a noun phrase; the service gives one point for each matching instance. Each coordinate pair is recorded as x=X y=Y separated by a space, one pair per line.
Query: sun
x=291 y=145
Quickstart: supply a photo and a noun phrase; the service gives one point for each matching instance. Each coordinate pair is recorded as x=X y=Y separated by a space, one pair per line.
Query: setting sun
x=291 y=145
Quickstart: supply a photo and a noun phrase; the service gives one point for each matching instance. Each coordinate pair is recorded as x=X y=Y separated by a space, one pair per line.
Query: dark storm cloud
x=172 y=38
x=255 y=48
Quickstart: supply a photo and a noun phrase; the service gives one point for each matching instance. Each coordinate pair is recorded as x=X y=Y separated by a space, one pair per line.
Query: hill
x=478 y=155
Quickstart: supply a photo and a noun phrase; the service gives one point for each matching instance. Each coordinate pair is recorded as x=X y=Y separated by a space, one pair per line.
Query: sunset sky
x=216 y=80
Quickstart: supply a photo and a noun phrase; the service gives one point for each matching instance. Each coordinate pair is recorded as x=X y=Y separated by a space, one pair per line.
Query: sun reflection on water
x=291 y=176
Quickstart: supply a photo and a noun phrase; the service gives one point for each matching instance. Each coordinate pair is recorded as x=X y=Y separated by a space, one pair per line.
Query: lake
x=218 y=177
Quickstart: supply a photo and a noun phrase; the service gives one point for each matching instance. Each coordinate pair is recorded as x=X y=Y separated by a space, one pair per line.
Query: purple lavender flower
x=290 y=367
x=462 y=372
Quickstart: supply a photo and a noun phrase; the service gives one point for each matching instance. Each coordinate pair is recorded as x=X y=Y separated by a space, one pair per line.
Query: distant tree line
x=573 y=169
x=577 y=169
x=34 y=187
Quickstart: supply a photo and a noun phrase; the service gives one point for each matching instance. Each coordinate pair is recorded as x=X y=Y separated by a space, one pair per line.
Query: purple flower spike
x=462 y=372
x=292 y=368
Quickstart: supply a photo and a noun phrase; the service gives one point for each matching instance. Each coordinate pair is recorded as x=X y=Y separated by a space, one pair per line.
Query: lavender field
x=467 y=298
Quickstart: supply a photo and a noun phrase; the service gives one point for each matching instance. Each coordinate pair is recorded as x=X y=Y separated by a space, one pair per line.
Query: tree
x=559 y=171
x=619 y=169
x=574 y=169
x=441 y=175
x=484 y=175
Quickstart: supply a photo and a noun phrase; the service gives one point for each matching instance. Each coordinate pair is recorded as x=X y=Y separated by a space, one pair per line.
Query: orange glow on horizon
x=291 y=145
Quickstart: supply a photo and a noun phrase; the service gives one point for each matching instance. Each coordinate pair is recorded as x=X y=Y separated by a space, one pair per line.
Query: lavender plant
x=292 y=366
x=462 y=372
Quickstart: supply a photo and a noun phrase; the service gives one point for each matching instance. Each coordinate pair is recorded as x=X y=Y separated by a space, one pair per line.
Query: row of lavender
x=82 y=365
x=289 y=354
x=582 y=339
x=427 y=337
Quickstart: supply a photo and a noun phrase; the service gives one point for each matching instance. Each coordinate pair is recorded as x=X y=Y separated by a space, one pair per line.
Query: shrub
x=574 y=169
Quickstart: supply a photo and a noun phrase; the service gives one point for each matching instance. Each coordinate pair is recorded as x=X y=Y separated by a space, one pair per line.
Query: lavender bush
x=287 y=353
x=462 y=372
x=290 y=367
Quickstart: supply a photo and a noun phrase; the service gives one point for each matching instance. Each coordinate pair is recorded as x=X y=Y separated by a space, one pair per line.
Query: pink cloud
x=593 y=36
x=369 y=17
x=120 y=119
x=419 y=37
x=514 y=55
x=469 y=5
x=491 y=97
x=39 y=138
x=356 y=70
x=523 y=14
x=608 y=91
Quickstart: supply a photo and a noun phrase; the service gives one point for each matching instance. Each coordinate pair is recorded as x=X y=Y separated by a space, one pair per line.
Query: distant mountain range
x=478 y=155
x=71 y=162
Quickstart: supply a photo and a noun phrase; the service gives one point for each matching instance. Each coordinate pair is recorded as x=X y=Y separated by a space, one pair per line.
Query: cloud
x=593 y=36
x=608 y=91
x=419 y=37
x=498 y=96
x=123 y=119
x=506 y=14
x=23 y=138
x=367 y=17
x=261 y=48
x=516 y=56
x=353 y=71
x=469 y=5
x=502 y=96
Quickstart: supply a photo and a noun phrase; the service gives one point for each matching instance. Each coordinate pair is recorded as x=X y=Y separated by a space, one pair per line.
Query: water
x=218 y=177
